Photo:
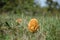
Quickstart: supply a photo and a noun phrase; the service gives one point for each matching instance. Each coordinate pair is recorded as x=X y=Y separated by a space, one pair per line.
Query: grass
x=9 y=30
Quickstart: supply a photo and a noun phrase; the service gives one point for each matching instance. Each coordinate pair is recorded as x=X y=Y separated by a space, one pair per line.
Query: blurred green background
x=48 y=18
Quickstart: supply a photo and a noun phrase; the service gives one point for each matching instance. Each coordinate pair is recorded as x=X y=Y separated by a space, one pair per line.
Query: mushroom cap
x=33 y=25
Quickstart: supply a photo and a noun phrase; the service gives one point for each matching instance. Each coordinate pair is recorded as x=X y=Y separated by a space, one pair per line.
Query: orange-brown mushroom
x=19 y=20
x=33 y=25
